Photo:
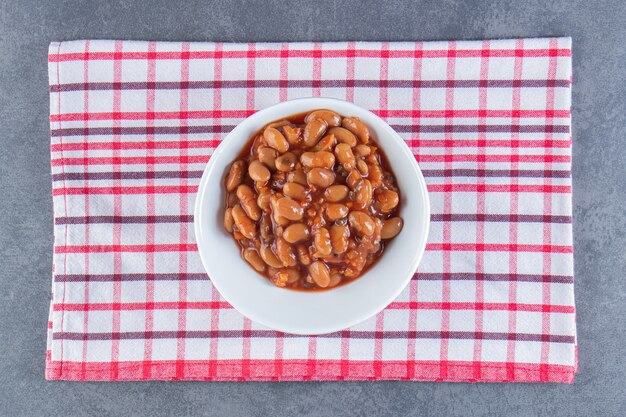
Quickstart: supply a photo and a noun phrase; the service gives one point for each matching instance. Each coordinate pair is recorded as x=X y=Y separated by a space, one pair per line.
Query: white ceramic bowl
x=311 y=312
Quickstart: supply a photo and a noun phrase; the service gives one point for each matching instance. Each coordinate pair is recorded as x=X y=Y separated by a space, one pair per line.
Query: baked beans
x=311 y=201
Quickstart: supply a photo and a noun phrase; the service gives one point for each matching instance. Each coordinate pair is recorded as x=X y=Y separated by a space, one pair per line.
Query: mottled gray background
x=599 y=114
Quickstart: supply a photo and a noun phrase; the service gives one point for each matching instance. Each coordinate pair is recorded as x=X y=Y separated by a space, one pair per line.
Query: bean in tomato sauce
x=311 y=201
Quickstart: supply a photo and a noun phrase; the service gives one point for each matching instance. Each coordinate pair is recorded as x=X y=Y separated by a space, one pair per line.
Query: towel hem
x=303 y=370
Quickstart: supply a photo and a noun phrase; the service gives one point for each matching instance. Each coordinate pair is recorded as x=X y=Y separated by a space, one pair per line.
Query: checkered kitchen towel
x=134 y=123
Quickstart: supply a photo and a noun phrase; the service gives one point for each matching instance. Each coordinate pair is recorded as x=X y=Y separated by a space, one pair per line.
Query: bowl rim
x=259 y=118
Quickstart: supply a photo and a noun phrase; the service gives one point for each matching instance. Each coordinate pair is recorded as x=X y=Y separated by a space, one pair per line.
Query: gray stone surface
x=599 y=114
